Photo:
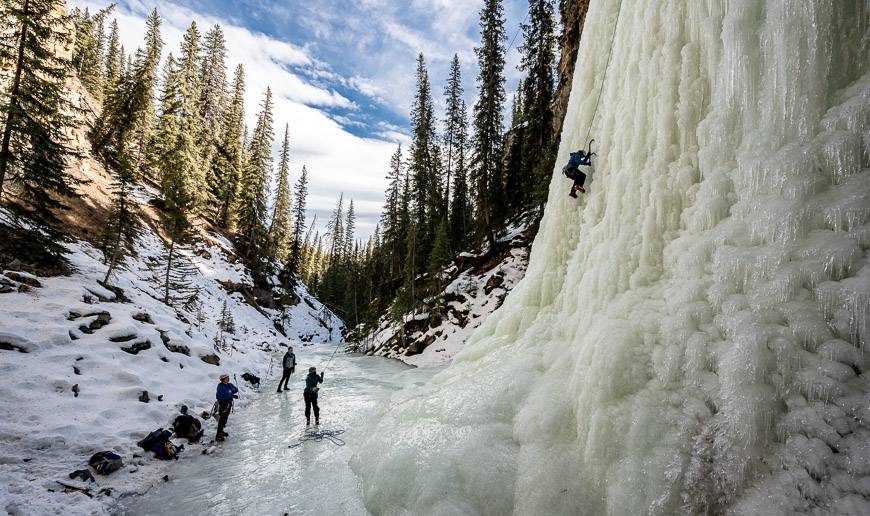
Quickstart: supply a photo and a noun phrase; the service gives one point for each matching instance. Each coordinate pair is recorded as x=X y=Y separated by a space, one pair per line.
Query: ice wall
x=691 y=336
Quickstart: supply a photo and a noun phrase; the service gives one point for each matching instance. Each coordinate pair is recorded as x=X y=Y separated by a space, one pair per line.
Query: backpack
x=187 y=426
x=167 y=451
x=106 y=462
x=156 y=437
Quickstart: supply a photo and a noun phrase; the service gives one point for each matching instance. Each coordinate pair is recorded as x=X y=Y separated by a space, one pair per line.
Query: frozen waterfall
x=691 y=335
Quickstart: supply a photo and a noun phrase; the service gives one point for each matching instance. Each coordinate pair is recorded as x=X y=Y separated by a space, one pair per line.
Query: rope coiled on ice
x=321 y=435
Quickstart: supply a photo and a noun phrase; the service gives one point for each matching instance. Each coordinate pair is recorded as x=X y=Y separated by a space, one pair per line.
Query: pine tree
x=253 y=188
x=280 y=229
x=128 y=115
x=144 y=82
x=460 y=206
x=114 y=63
x=520 y=197
x=297 y=245
x=391 y=219
x=538 y=91
x=213 y=80
x=191 y=96
x=440 y=254
x=227 y=161
x=486 y=167
x=421 y=163
x=34 y=146
x=349 y=228
x=452 y=121
x=335 y=226
x=120 y=230
x=88 y=55
x=176 y=159
x=226 y=322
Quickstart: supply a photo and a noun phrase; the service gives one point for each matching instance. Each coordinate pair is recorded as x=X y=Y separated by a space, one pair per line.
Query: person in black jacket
x=310 y=395
x=187 y=426
x=289 y=364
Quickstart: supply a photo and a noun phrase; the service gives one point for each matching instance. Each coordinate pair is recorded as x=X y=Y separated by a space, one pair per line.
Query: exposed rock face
x=476 y=285
x=573 y=14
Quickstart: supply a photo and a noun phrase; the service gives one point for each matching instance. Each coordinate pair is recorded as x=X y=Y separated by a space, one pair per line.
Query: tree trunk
x=168 y=268
x=5 y=154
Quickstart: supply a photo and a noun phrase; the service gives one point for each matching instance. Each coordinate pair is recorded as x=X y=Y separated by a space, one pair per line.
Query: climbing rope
x=330 y=358
x=320 y=435
x=604 y=77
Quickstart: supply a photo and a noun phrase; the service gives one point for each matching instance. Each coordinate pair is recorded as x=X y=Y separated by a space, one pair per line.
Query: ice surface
x=690 y=336
x=254 y=472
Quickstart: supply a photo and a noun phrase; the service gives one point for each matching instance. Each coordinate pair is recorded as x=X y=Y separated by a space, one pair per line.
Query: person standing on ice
x=310 y=395
x=572 y=170
x=225 y=394
x=289 y=364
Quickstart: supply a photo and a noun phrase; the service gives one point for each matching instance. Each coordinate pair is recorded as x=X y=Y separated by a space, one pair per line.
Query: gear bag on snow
x=187 y=426
x=158 y=443
x=106 y=462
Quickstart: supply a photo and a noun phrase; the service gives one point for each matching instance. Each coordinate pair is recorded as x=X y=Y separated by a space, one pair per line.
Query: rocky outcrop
x=477 y=284
x=573 y=14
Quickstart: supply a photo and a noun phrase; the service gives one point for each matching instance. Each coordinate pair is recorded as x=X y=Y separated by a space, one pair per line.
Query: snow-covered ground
x=75 y=360
x=476 y=288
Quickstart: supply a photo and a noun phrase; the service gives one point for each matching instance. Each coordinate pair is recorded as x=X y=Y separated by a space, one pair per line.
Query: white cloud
x=337 y=161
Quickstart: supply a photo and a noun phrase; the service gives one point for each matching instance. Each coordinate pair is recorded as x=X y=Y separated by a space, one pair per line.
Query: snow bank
x=76 y=360
x=690 y=336
x=427 y=340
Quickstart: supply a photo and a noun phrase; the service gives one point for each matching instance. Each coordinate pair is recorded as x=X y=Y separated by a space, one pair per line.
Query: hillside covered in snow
x=476 y=285
x=79 y=357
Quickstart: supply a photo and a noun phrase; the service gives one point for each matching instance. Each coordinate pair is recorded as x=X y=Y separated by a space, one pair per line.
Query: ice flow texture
x=691 y=336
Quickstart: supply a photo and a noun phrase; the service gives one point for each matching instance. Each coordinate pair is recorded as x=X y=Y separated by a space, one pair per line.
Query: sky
x=342 y=74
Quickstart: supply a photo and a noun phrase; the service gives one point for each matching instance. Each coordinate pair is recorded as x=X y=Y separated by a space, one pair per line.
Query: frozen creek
x=254 y=471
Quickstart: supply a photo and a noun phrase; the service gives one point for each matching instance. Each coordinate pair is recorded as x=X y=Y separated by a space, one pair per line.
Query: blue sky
x=342 y=72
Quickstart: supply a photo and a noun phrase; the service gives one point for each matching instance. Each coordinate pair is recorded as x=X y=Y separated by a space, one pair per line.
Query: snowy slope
x=476 y=288
x=51 y=342
x=689 y=337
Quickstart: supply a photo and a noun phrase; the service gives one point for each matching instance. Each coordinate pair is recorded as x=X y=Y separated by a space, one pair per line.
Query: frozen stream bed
x=255 y=472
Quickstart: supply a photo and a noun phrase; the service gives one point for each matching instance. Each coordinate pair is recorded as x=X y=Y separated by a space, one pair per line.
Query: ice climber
x=289 y=363
x=310 y=395
x=572 y=170
x=225 y=394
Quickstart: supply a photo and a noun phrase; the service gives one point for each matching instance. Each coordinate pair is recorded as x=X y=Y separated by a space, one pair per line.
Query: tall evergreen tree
x=114 y=63
x=128 y=115
x=213 y=80
x=297 y=245
x=421 y=165
x=176 y=159
x=88 y=54
x=34 y=146
x=227 y=161
x=391 y=220
x=349 y=229
x=460 y=205
x=519 y=197
x=452 y=121
x=335 y=226
x=144 y=82
x=191 y=96
x=280 y=229
x=118 y=240
x=254 y=187
x=486 y=166
x=538 y=61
